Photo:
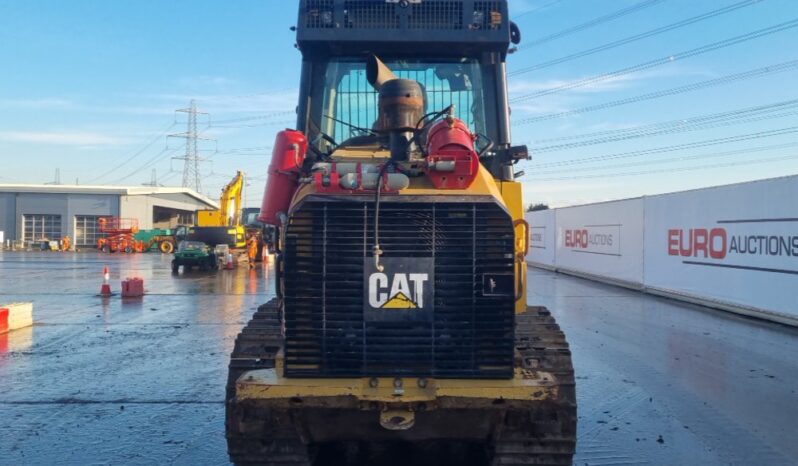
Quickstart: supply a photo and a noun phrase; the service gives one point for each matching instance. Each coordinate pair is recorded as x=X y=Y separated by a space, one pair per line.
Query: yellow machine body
x=405 y=397
x=223 y=226
x=349 y=358
x=229 y=213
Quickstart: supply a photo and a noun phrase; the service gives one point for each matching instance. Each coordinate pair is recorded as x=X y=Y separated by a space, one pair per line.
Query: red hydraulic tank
x=452 y=162
x=450 y=135
x=288 y=155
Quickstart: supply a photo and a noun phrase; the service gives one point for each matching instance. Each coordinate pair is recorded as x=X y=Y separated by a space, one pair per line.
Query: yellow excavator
x=229 y=213
x=400 y=333
x=221 y=226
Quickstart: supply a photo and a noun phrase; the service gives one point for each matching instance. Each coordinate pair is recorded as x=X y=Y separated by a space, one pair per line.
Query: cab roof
x=406 y=27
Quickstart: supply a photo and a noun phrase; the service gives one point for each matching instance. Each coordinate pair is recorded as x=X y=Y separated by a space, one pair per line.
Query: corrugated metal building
x=34 y=212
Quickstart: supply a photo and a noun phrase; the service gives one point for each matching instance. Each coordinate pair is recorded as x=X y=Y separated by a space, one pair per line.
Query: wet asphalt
x=110 y=381
x=660 y=382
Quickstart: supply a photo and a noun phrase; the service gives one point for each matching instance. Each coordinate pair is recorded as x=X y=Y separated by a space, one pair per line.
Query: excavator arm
x=227 y=215
x=231 y=194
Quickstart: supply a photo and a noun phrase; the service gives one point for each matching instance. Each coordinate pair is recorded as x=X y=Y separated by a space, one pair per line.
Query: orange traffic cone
x=105 y=290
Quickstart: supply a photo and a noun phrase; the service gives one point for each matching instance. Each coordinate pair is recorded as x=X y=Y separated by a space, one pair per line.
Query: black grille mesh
x=438 y=15
x=488 y=15
x=318 y=14
x=470 y=335
x=367 y=14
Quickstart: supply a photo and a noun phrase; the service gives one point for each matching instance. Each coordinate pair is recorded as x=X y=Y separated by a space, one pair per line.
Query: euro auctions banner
x=737 y=244
x=542 y=232
x=604 y=239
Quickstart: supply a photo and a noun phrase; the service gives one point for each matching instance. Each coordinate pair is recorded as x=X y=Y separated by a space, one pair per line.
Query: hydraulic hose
x=377 y=252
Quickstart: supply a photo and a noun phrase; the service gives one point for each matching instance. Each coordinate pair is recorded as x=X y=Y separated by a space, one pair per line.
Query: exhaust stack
x=401 y=106
x=378 y=73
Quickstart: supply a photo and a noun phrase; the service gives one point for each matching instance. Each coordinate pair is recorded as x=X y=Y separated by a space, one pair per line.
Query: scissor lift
x=118 y=234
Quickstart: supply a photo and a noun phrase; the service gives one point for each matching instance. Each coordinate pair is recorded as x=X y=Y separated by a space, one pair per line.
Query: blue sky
x=90 y=88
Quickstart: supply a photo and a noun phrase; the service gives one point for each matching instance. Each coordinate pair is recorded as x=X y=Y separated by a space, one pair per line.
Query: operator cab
x=455 y=51
x=344 y=103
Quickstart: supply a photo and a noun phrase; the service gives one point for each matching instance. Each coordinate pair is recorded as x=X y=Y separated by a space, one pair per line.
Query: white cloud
x=521 y=86
x=520 y=6
x=199 y=82
x=37 y=103
x=210 y=98
x=562 y=193
x=71 y=138
x=533 y=107
x=264 y=102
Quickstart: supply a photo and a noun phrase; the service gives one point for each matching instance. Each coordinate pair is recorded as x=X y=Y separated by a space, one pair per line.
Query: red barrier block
x=132 y=287
x=3 y=320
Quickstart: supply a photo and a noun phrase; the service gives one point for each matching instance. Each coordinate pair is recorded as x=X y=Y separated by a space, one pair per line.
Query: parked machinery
x=158 y=238
x=123 y=235
x=221 y=226
x=119 y=234
x=400 y=323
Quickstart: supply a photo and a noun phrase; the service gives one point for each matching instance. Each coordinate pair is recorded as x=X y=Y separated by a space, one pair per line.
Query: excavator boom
x=221 y=226
x=231 y=194
x=229 y=213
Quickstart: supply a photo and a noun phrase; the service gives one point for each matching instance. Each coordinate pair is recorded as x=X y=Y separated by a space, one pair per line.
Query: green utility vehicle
x=193 y=253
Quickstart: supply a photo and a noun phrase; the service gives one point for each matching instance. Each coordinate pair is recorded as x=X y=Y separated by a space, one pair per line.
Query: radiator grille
x=488 y=15
x=470 y=334
x=319 y=14
x=437 y=15
x=366 y=14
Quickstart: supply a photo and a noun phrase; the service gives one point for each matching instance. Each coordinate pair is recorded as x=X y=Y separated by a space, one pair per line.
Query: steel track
x=543 y=436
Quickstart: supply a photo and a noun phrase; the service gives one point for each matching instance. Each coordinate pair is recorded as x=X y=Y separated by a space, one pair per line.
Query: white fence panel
x=542 y=233
x=603 y=239
x=735 y=244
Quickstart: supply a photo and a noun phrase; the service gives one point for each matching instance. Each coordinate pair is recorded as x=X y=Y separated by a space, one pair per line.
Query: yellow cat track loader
x=400 y=331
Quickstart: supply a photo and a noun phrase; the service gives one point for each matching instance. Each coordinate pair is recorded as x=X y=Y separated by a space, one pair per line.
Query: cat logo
x=401 y=291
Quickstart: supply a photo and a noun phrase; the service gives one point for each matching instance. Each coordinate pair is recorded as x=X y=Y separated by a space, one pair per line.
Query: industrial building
x=32 y=213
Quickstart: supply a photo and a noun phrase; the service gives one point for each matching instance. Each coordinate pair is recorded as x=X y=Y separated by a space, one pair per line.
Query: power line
x=681 y=126
x=636 y=37
x=684 y=129
x=671 y=148
x=261 y=94
x=532 y=10
x=594 y=22
x=259 y=125
x=745 y=151
x=661 y=61
x=164 y=154
x=784 y=104
x=771 y=69
x=252 y=118
x=249 y=154
x=169 y=176
x=245 y=149
x=673 y=170
x=135 y=154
